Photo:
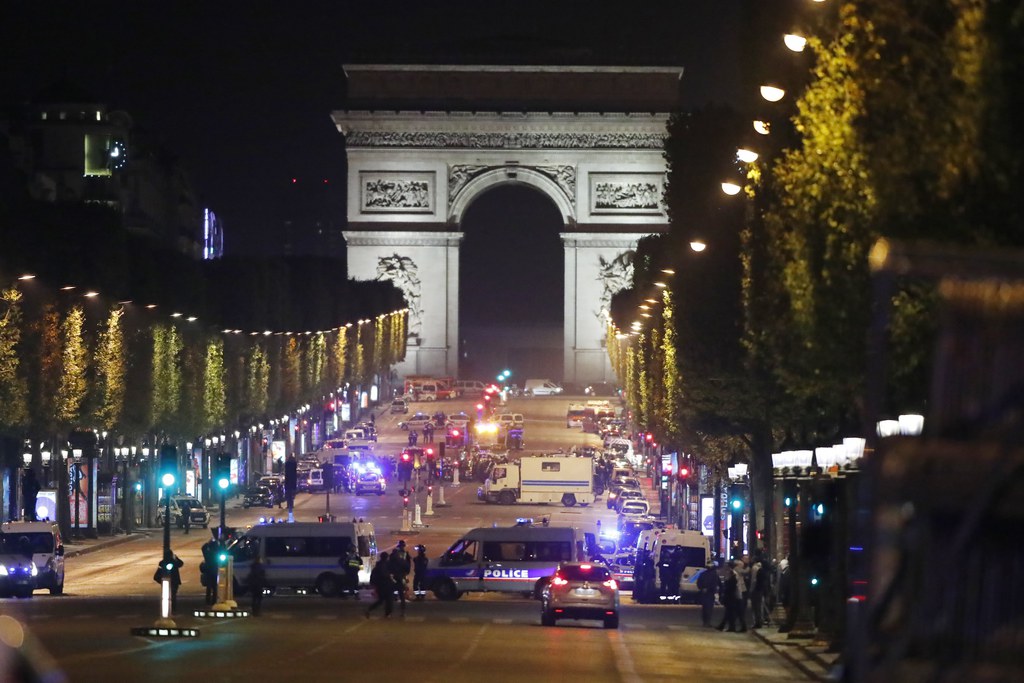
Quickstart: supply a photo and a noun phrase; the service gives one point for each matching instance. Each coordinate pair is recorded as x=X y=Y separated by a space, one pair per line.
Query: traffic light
x=328 y=476
x=168 y=465
x=406 y=458
x=222 y=471
x=736 y=502
x=684 y=474
x=222 y=557
x=649 y=437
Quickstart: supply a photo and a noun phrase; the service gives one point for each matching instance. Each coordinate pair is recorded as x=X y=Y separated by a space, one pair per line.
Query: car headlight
x=3 y=570
x=35 y=570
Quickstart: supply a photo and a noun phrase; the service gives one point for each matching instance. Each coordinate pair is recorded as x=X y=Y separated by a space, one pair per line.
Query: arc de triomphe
x=424 y=141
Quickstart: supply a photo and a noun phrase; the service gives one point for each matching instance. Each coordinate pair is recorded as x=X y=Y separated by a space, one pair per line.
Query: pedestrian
x=708 y=584
x=419 y=575
x=186 y=516
x=728 y=597
x=759 y=580
x=208 y=570
x=384 y=585
x=401 y=565
x=257 y=582
x=353 y=563
x=170 y=569
x=743 y=583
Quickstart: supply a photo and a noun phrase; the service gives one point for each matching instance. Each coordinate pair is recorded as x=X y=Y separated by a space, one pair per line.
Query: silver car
x=581 y=590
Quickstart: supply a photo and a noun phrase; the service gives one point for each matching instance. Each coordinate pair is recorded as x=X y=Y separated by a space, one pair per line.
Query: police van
x=304 y=555
x=668 y=563
x=517 y=559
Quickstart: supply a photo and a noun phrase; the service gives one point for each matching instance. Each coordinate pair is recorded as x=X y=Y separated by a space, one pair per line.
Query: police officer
x=208 y=570
x=419 y=576
x=353 y=563
x=400 y=564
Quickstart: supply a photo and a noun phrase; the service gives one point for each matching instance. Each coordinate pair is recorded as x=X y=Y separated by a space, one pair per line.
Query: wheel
x=547 y=617
x=445 y=590
x=538 y=588
x=568 y=500
x=23 y=593
x=506 y=498
x=57 y=588
x=611 y=620
x=328 y=585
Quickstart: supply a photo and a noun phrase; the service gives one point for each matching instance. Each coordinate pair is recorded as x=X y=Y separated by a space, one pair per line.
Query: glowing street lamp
x=772 y=93
x=794 y=42
x=762 y=127
x=747 y=156
x=698 y=246
x=731 y=188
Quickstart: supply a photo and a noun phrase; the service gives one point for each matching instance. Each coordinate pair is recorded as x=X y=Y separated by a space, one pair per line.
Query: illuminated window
x=98 y=116
x=96 y=147
x=43 y=115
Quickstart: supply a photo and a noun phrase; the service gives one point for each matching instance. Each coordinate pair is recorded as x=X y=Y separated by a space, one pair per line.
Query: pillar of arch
x=424 y=142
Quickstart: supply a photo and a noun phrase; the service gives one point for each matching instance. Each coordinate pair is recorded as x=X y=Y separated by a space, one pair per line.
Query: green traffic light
x=223 y=483
x=737 y=504
x=168 y=479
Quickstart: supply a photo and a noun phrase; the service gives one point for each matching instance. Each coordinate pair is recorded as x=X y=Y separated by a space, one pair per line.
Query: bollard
x=440 y=496
x=405 y=521
x=430 y=505
x=455 y=477
x=417 y=521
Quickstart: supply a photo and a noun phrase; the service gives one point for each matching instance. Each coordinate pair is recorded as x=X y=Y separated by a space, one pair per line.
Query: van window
x=316 y=546
x=497 y=473
x=551 y=467
x=550 y=551
x=463 y=552
x=682 y=556
x=246 y=548
x=509 y=552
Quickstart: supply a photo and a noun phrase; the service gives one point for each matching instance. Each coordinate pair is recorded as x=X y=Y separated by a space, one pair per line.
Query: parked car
x=581 y=590
x=182 y=505
x=258 y=496
x=400 y=405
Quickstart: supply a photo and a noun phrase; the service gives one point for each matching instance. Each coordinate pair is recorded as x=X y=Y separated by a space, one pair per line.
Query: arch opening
x=511 y=285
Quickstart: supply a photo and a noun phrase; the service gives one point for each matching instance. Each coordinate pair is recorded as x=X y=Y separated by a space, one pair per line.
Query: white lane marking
x=334 y=641
x=623 y=660
x=459 y=620
x=473 y=645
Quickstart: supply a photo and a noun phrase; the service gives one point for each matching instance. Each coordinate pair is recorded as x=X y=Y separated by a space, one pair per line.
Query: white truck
x=565 y=479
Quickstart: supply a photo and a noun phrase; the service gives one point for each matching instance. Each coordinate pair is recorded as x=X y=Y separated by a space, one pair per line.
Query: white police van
x=304 y=555
x=31 y=558
x=517 y=559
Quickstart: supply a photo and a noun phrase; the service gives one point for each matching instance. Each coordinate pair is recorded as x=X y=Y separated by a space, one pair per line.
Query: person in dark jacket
x=384 y=585
x=352 y=564
x=170 y=568
x=419 y=573
x=208 y=570
x=400 y=564
x=257 y=582
x=730 y=596
x=708 y=583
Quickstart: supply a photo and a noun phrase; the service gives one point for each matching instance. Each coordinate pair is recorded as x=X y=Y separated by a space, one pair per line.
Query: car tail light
x=611 y=584
x=557 y=580
x=585 y=566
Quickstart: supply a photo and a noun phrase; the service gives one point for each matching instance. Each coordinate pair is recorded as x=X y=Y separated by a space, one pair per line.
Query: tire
x=328 y=585
x=507 y=498
x=57 y=588
x=547 y=618
x=568 y=500
x=444 y=589
x=538 y=588
x=612 y=621
x=23 y=593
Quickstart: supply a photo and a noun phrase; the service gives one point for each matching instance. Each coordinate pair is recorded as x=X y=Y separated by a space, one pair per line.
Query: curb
x=99 y=545
x=807 y=662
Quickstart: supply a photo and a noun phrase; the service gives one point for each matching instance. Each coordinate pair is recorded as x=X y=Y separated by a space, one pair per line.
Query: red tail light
x=611 y=584
x=557 y=580
x=585 y=566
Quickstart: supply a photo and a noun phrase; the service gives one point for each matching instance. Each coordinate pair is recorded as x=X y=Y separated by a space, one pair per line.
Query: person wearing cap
x=400 y=564
x=419 y=573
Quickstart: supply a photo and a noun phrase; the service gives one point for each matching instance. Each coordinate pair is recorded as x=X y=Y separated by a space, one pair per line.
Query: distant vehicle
x=304 y=554
x=576 y=414
x=31 y=558
x=541 y=387
x=601 y=389
x=258 y=496
x=460 y=420
x=370 y=482
x=415 y=422
x=469 y=386
x=634 y=508
x=180 y=506
x=561 y=479
x=400 y=405
x=359 y=438
x=670 y=553
x=581 y=590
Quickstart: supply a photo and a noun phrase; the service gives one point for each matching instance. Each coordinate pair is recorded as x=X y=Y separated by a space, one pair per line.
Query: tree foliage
x=111 y=371
x=13 y=391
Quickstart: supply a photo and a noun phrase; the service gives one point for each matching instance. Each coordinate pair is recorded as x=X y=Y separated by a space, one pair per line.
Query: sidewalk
x=806 y=654
x=73 y=547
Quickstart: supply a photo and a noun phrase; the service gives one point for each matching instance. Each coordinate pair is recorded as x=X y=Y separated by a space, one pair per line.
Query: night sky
x=242 y=91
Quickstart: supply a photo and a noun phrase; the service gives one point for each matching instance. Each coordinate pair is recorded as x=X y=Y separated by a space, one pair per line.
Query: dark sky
x=242 y=91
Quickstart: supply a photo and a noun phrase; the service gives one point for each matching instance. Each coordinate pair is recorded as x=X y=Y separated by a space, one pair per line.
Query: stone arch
x=507 y=175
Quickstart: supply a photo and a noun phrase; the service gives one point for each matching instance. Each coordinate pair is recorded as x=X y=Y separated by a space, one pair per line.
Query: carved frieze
x=563 y=175
x=392 y=192
x=625 y=192
x=466 y=140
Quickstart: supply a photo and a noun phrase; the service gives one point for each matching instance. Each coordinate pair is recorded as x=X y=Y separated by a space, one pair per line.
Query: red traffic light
x=430 y=451
x=455 y=432
x=479 y=406
x=406 y=457
x=684 y=472
x=649 y=437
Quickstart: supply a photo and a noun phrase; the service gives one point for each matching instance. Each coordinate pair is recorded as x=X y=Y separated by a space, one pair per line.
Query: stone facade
x=413 y=175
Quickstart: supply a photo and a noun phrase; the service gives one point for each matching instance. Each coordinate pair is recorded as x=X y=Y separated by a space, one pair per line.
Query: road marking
x=459 y=620
x=636 y=627
x=623 y=660
x=675 y=627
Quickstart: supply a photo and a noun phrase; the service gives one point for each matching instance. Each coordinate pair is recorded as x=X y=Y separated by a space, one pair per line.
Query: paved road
x=490 y=637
